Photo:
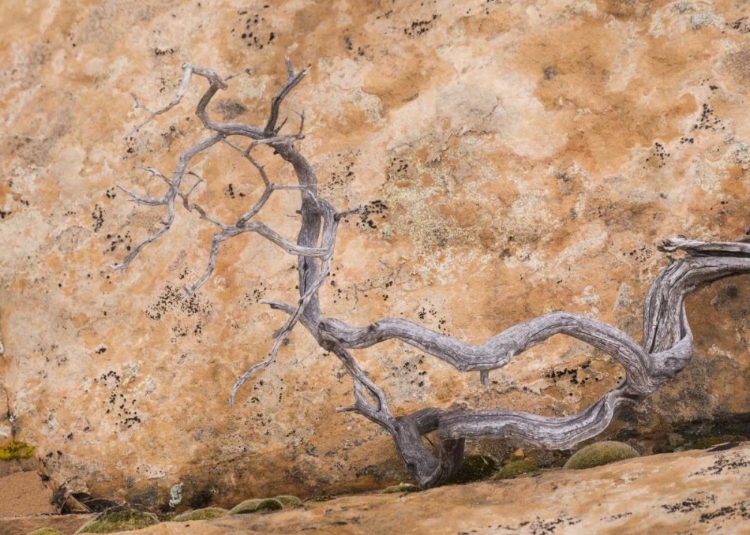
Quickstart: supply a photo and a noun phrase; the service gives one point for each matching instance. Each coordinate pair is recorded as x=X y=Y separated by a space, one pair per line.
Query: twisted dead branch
x=666 y=348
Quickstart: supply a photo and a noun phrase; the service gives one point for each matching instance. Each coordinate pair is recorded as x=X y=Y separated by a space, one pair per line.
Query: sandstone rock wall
x=516 y=158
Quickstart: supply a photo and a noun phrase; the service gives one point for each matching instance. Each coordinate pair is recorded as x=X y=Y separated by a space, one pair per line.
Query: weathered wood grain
x=666 y=348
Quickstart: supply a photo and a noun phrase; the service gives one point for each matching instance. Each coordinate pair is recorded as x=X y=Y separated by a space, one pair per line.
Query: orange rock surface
x=516 y=158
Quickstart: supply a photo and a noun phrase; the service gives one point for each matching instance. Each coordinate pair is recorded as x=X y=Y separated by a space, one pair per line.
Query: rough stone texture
x=526 y=156
x=634 y=496
x=24 y=493
x=24 y=525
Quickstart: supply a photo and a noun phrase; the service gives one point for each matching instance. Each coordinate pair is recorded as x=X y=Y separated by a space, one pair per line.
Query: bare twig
x=281 y=336
x=187 y=72
x=291 y=82
x=168 y=199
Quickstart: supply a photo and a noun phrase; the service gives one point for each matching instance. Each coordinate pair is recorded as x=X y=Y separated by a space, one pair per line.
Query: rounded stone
x=119 y=519
x=206 y=513
x=257 y=505
x=288 y=500
x=600 y=453
x=516 y=468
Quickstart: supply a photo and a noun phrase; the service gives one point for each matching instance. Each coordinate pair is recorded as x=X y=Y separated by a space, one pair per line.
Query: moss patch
x=119 y=519
x=16 y=450
x=256 y=506
x=474 y=468
x=516 y=468
x=704 y=443
x=401 y=487
x=599 y=454
x=288 y=500
x=46 y=531
x=206 y=513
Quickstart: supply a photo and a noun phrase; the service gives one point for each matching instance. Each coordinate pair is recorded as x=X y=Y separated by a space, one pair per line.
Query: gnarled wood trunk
x=667 y=340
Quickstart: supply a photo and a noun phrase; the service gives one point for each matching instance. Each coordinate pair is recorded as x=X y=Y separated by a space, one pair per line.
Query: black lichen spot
x=741 y=25
x=118 y=403
x=98 y=216
x=101 y=350
x=548 y=527
x=256 y=294
x=612 y=518
x=708 y=120
x=640 y=254
x=570 y=374
x=164 y=51
x=172 y=298
x=728 y=512
x=117 y=240
x=689 y=505
x=730 y=462
x=168 y=299
x=374 y=208
x=252 y=30
x=420 y=27
x=659 y=155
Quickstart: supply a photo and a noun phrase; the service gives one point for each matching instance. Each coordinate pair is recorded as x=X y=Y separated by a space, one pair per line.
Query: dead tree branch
x=666 y=348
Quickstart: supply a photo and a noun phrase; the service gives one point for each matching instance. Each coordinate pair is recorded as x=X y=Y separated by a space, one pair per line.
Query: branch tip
x=484 y=378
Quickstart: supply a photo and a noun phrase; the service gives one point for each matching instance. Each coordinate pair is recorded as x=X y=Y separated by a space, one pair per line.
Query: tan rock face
x=24 y=493
x=515 y=158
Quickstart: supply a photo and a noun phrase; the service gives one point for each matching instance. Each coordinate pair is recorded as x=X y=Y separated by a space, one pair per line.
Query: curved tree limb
x=665 y=350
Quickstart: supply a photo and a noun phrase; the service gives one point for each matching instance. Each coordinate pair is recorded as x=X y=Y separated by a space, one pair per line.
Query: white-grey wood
x=667 y=340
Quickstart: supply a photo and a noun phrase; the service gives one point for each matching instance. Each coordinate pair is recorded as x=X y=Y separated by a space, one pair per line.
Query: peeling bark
x=667 y=340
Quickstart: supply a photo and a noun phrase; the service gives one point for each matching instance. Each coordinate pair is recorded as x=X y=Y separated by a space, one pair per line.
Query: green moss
x=46 y=531
x=474 y=468
x=16 y=450
x=254 y=506
x=516 y=468
x=119 y=519
x=401 y=487
x=704 y=443
x=664 y=448
x=288 y=500
x=206 y=513
x=599 y=454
